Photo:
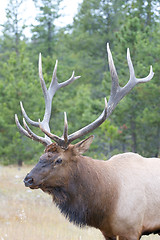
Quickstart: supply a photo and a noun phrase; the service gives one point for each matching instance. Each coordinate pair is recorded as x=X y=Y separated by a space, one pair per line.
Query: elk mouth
x=34 y=183
x=33 y=187
x=30 y=185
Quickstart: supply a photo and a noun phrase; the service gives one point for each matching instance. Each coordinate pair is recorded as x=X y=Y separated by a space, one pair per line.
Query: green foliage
x=44 y=32
x=14 y=26
x=144 y=97
x=135 y=123
x=17 y=84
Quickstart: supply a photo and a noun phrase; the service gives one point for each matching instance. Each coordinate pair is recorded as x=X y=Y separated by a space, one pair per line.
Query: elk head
x=60 y=158
x=55 y=166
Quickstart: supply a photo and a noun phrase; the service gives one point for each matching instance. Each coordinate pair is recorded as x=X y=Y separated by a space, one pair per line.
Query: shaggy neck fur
x=79 y=200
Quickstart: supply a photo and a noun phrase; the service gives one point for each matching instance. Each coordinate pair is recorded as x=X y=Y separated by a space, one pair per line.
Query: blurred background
x=76 y=33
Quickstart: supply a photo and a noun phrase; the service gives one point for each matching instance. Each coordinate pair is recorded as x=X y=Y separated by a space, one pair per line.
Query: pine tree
x=14 y=26
x=44 y=32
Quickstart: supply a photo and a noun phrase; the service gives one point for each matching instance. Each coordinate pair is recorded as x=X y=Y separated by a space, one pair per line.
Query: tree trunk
x=149 y=12
x=158 y=142
x=49 y=38
x=16 y=30
x=123 y=146
x=19 y=163
x=133 y=135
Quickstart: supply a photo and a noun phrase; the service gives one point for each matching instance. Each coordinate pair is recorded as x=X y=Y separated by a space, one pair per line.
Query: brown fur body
x=75 y=197
x=109 y=195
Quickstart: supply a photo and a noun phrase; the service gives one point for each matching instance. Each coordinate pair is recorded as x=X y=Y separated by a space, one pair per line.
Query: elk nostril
x=28 y=181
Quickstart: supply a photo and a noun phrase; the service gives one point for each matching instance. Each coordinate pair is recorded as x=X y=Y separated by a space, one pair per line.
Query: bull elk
x=121 y=196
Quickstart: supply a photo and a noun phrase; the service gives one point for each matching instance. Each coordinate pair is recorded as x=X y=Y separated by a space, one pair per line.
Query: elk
x=121 y=196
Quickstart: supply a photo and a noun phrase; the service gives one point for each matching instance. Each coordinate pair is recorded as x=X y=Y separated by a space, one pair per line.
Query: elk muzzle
x=29 y=182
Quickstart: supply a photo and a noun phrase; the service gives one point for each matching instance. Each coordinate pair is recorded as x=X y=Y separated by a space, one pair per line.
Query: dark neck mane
x=73 y=209
x=77 y=201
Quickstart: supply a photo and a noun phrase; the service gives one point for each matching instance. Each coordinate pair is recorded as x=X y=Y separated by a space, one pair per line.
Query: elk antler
x=117 y=93
x=48 y=96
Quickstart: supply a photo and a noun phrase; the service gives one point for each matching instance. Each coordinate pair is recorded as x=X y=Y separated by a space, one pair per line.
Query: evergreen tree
x=17 y=83
x=136 y=104
x=134 y=125
x=44 y=32
x=13 y=27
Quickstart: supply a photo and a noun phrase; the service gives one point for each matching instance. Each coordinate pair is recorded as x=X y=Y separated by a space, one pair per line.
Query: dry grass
x=31 y=215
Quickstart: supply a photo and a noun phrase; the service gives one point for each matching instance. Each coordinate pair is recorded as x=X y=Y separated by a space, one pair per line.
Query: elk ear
x=83 y=146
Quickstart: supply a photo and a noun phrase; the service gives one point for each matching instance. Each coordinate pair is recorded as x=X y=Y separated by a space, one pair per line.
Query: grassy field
x=30 y=214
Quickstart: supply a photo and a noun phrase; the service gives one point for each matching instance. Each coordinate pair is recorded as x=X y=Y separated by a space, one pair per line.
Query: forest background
x=81 y=46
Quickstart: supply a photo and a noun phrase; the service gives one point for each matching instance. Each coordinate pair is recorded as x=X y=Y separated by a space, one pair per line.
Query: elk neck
x=80 y=199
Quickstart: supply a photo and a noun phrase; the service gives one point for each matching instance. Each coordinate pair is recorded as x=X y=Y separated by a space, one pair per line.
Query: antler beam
x=48 y=96
x=117 y=93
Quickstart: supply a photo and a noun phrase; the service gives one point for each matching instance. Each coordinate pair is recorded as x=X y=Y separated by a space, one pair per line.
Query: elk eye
x=58 y=161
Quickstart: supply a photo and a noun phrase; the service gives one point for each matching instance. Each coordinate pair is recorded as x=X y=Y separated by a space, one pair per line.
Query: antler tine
x=33 y=123
x=132 y=74
x=35 y=137
x=21 y=129
x=54 y=83
x=65 y=132
x=43 y=85
x=70 y=80
x=28 y=132
x=113 y=72
x=130 y=65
